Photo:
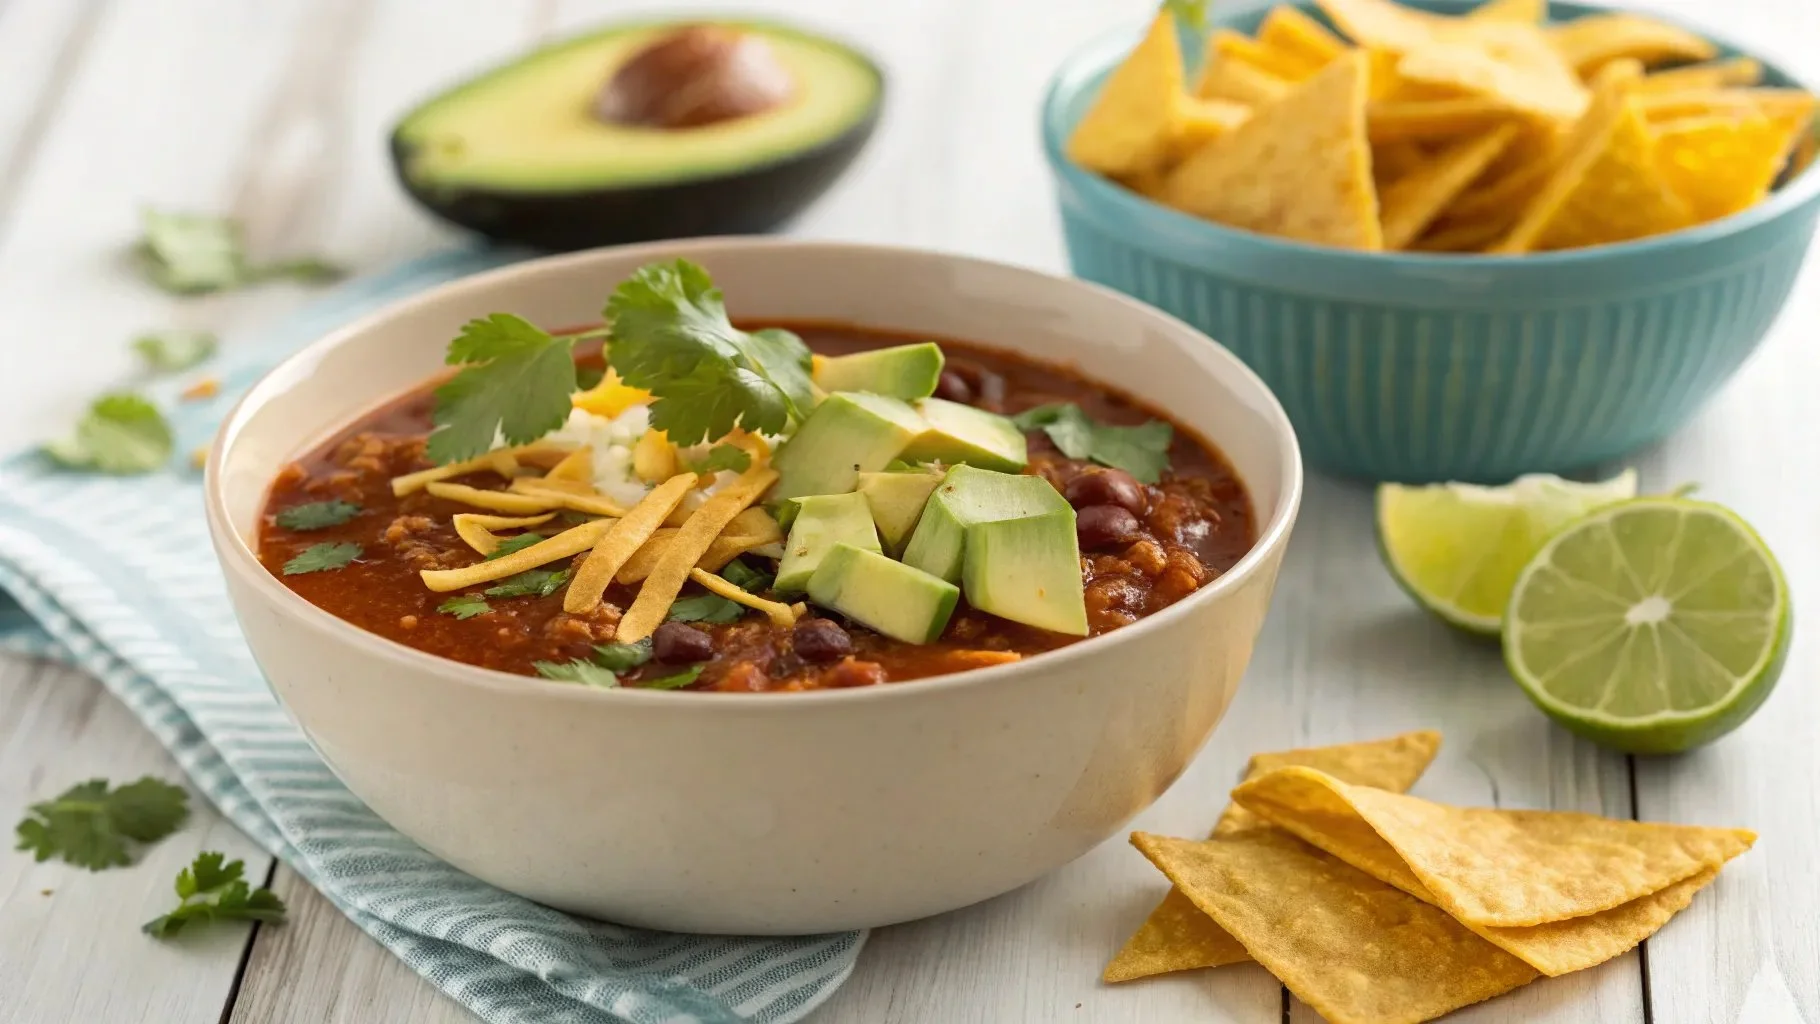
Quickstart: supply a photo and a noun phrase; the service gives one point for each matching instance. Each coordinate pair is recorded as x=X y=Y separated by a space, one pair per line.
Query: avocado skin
x=752 y=201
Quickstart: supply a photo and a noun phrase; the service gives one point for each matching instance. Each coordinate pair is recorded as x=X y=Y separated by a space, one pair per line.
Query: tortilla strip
x=576 y=467
x=692 y=541
x=566 y=544
x=781 y=615
x=504 y=461
x=1718 y=74
x=754 y=528
x=498 y=501
x=477 y=528
x=622 y=541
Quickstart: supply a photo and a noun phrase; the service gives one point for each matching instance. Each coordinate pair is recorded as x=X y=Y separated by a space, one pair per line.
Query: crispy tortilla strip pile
x=1490 y=132
x=1376 y=907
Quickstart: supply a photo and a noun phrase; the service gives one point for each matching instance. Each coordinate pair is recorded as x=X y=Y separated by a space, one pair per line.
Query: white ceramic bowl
x=765 y=813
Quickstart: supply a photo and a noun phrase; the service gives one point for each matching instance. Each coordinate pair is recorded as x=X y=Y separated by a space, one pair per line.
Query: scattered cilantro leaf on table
x=1142 y=451
x=193 y=254
x=511 y=544
x=706 y=608
x=674 y=681
x=515 y=383
x=175 y=349
x=584 y=672
x=722 y=456
x=321 y=557
x=317 y=515
x=622 y=657
x=210 y=890
x=672 y=337
x=465 y=606
x=120 y=433
x=530 y=583
x=89 y=825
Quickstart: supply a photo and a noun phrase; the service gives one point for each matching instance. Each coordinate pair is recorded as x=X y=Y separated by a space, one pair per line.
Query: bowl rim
x=236 y=556
x=1094 y=57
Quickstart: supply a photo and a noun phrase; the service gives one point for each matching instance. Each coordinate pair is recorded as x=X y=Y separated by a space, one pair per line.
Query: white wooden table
x=276 y=110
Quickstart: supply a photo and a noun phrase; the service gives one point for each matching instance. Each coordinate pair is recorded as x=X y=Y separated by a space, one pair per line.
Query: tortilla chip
x=1531 y=11
x=1393 y=160
x=1591 y=42
x=1414 y=201
x=1399 y=120
x=1178 y=936
x=567 y=544
x=1806 y=147
x=1500 y=200
x=1498 y=868
x=1721 y=165
x=1287 y=28
x=1461 y=237
x=1224 y=78
x=1298 y=169
x=1605 y=187
x=1672 y=106
x=1289 y=65
x=691 y=541
x=1510 y=63
x=1356 y=950
x=1719 y=74
x=1205 y=121
x=621 y=541
x=1129 y=127
x=1382 y=25
x=477 y=528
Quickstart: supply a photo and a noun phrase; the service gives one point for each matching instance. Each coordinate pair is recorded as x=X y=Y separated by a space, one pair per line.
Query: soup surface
x=1192 y=525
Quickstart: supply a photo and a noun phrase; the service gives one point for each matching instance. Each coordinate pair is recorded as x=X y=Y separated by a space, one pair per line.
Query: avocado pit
x=696 y=76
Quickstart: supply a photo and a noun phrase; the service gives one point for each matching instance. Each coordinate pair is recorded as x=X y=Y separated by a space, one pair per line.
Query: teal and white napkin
x=115 y=575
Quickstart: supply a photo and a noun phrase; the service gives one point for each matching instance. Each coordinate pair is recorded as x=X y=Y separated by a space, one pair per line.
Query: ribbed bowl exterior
x=1422 y=368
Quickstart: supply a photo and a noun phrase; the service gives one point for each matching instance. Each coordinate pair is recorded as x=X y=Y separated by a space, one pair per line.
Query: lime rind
x=1668 y=730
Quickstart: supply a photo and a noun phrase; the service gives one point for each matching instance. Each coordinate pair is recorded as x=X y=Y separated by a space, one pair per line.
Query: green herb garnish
x=671 y=336
x=170 y=351
x=317 y=515
x=319 y=557
x=120 y=433
x=706 y=608
x=1142 y=451
x=210 y=890
x=516 y=384
x=89 y=825
x=530 y=583
x=192 y=254
x=518 y=543
x=623 y=657
x=722 y=456
x=745 y=577
x=675 y=681
x=465 y=606
x=587 y=378
x=584 y=672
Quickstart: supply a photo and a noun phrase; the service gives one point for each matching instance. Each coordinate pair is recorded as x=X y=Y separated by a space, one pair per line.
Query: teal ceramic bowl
x=1416 y=367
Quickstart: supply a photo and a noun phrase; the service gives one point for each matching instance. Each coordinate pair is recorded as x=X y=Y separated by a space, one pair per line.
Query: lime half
x=1457 y=548
x=1652 y=626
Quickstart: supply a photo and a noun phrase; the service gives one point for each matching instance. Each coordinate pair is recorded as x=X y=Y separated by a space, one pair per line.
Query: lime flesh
x=1652 y=626
x=1457 y=548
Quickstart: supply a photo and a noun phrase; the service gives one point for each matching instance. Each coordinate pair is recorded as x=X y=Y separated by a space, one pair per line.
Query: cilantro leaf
x=89 y=826
x=706 y=608
x=211 y=890
x=623 y=657
x=587 y=378
x=465 y=606
x=745 y=577
x=674 y=681
x=723 y=456
x=672 y=337
x=511 y=544
x=530 y=583
x=316 y=515
x=121 y=433
x=320 y=557
x=516 y=386
x=584 y=672
x=302 y=269
x=1142 y=451
x=193 y=254
x=175 y=349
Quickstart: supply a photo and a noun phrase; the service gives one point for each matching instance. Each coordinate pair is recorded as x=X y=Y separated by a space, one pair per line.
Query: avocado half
x=519 y=154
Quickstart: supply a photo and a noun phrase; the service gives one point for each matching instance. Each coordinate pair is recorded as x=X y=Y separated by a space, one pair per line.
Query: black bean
x=1105 y=526
x=953 y=387
x=821 y=640
x=678 y=643
x=1107 y=487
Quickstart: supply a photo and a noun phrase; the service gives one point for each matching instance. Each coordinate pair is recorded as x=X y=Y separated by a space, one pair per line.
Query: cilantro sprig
x=623 y=657
x=722 y=456
x=194 y=254
x=577 y=671
x=316 y=515
x=94 y=827
x=465 y=606
x=511 y=544
x=323 y=557
x=175 y=349
x=121 y=433
x=515 y=384
x=674 y=681
x=1142 y=451
x=211 y=889
x=530 y=583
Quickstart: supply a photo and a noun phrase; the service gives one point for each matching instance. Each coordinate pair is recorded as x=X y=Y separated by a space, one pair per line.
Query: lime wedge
x=1457 y=548
x=1651 y=626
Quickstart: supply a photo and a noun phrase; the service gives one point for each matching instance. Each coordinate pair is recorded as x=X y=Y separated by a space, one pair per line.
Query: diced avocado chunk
x=908 y=372
x=1027 y=570
x=849 y=433
x=968 y=495
x=896 y=501
x=959 y=434
x=901 y=602
x=822 y=521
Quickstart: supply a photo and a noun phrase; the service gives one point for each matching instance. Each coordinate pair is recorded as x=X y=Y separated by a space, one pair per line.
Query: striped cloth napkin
x=115 y=575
